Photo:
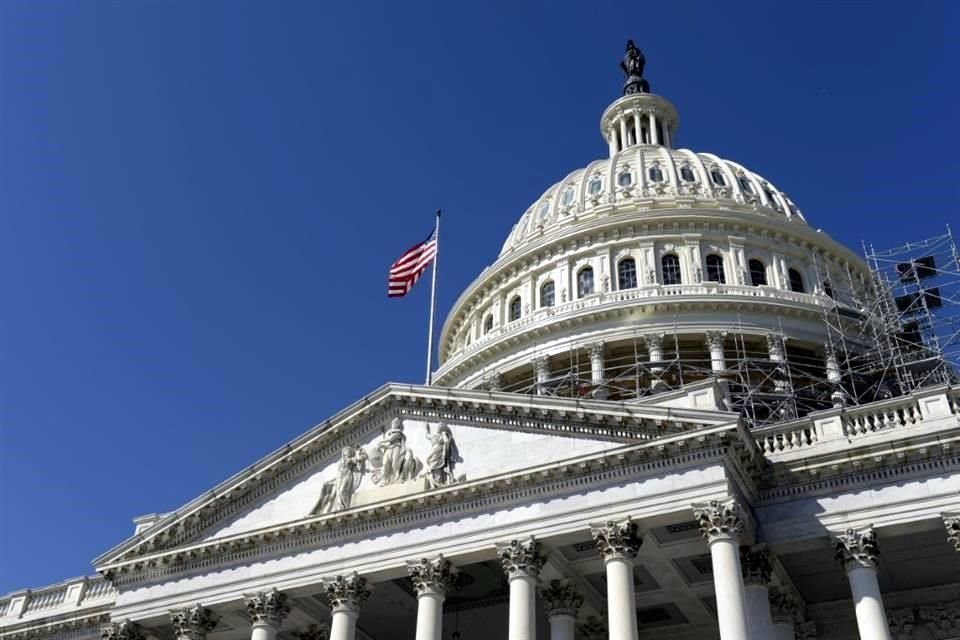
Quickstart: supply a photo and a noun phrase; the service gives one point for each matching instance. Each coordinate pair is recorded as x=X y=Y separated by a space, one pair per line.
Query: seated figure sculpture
x=390 y=460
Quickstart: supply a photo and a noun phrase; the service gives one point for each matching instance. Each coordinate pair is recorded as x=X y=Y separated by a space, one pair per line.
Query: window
x=625 y=179
x=655 y=174
x=717 y=176
x=487 y=324
x=670 y=265
x=547 y=294
x=585 y=282
x=544 y=210
x=771 y=199
x=796 y=280
x=627 y=274
x=594 y=186
x=827 y=289
x=515 y=309
x=758 y=273
x=715 y=269
x=567 y=197
x=745 y=184
x=687 y=173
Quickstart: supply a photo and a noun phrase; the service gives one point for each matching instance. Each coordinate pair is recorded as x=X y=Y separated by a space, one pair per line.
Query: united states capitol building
x=670 y=408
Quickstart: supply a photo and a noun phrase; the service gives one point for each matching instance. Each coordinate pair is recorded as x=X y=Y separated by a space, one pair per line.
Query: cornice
x=65 y=626
x=727 y=443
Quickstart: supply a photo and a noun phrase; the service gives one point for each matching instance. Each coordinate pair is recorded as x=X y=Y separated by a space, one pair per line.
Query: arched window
x=585 y=282
x=827 y=289
x=594 y=186
x=627 y=274
x=687 y=173
x=717 y=176
x=567 y=197
x=715 y=271
x=771 y=199
x=625 y=179
x=488 y=324
x=515 y=309
x=670 y=265
x=547 y=294
x=796 y=280
x=656 y=175
x=758 y=273
x=745 y=184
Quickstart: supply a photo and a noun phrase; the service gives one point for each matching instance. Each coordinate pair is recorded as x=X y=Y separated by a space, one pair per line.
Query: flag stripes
x=408 y=268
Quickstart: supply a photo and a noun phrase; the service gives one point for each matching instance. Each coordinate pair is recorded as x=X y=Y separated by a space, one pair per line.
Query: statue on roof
x=632 y=65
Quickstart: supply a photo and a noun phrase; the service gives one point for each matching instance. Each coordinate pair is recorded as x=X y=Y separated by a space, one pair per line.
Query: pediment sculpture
x=391 y=461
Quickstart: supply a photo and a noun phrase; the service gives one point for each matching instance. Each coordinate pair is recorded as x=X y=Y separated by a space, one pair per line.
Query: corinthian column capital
x=783 y=606
x=714 y=339
x=193 y=623
x=593 y=628
x=347 y=592
x=597 y=350
x=857 y=548
x=267 y=607
x=521 y=557
x=313 y=632
x=125 y=630
x=755 y=565
x=435 y=576
x=617 y=539
x=561 y=598
x=719 y=520
x=952 y=524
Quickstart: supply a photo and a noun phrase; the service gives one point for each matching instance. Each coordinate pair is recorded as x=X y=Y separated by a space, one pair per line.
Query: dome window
x=625 y=179
x=656 y=175
x=567 y=198
x=547 y=294
x=827 y=289
x=745 y=184
x=796 y=281
x=670 y=267
x=715 y=271
x=544 y=210
x=627 y=274
x=771 y=198
x=594 y=186
x=717 y=176
x=488 y=324
x=515 y=309
x=585 y=282
x=687 y=173
x=758 y=273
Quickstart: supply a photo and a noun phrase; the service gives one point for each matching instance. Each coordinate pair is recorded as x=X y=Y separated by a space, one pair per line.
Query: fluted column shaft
x=721 y=526
x=618 y=543
x=522 y=561
x=858 y=552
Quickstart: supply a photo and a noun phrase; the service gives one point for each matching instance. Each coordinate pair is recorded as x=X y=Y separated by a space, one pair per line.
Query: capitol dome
x=651 y=269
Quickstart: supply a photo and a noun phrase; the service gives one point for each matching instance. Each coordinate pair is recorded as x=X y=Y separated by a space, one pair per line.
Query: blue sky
x=199 y=201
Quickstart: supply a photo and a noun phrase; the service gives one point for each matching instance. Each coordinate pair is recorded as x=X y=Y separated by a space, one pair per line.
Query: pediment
x=399 y=444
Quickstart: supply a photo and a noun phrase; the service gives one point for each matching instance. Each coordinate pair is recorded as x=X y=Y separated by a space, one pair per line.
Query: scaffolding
x=888 y=332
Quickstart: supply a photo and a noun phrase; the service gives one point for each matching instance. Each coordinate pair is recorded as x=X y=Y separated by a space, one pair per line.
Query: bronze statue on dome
x=632 y=65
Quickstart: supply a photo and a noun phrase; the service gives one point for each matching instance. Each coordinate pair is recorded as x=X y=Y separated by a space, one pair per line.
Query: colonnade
x=748 y=606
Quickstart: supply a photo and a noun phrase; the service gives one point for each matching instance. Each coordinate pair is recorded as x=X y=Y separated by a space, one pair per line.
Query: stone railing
x=71 y=594
x=604 y=300
x=856 y=422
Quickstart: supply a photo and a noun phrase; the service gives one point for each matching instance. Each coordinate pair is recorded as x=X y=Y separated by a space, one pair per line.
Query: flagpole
x=433 y=299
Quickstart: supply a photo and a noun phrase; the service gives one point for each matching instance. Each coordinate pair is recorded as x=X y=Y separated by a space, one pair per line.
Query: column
x=541 y=374
x=192 y=623
x=655 y=348
x=267 y=610
x=666 y=135
x=654 y=136
x=756 y=568
x=346 y=594
x=125 y=630
x=522 y=561
x=637 y=127
x=714 y=341
x=612 y=143
x=598 y=351
x=431 y=580
x=722 y=526
x=859 y=554
x=783 y=610
x=624 y=141
x=952 y=524
x=778 y=353
x=561 y=602
x=618 y=543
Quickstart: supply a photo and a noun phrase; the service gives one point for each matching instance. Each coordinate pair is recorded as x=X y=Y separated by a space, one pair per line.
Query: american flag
x=410 y=266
